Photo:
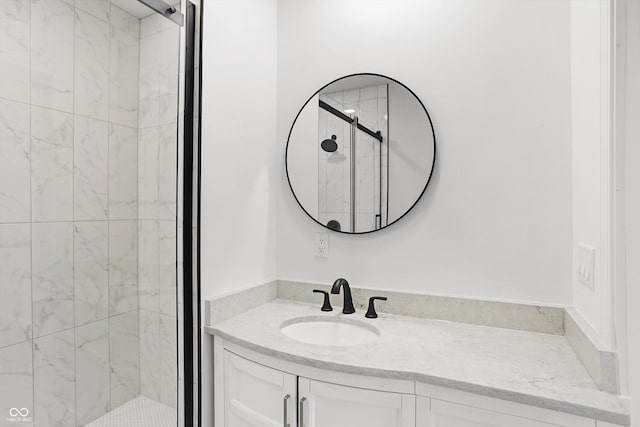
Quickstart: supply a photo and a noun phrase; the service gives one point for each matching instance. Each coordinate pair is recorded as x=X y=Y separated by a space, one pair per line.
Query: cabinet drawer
x=447 y=414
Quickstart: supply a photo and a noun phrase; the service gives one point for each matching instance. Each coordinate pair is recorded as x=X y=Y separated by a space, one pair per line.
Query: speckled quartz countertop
x=525 y=367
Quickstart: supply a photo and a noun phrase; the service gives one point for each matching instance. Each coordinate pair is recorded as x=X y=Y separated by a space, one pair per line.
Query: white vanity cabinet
x=331 y=405
x=255 y=390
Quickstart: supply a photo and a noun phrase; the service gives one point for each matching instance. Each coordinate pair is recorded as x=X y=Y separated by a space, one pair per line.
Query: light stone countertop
x=524 y=367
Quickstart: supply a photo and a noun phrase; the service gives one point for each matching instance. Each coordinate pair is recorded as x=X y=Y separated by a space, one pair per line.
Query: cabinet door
x=447 y=414
x=257 y=396
x=329 y=405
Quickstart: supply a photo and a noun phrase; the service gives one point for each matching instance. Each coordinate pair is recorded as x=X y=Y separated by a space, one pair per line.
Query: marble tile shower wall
x=157 y=186
x=68 y=209
x=370 y=104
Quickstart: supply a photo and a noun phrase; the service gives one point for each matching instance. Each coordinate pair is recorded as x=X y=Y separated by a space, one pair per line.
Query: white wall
x=303 y=157
x=496 y=220
x=586 y=135
x=632 y=154
x=238 y=155
x=238 y=144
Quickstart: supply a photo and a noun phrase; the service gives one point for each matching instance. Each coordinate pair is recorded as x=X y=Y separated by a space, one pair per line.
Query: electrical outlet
x=586 y=265
x=322 y=245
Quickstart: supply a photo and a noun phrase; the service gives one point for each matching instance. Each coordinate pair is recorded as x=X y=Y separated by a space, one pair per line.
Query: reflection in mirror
x=360 y=153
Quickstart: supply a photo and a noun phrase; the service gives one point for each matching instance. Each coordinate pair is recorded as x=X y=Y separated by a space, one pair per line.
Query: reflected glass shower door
x=353 y=179
x=89 y=210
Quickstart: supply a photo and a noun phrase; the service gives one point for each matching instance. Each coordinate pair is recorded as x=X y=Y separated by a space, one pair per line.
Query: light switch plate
x=586 y=265
x=322 y=245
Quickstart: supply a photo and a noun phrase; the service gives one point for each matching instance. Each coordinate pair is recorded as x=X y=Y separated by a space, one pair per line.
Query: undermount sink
x=335 y=331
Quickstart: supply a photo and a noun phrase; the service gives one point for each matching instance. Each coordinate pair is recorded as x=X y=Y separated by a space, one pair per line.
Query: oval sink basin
x=322 y=330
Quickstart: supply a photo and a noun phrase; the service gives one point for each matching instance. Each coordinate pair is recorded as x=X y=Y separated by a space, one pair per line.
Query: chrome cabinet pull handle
x=302 y=411
x=286 y=412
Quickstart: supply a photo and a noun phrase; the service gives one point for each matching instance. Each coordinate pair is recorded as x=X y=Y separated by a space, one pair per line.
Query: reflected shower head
x=334 y=225
x=329 y=145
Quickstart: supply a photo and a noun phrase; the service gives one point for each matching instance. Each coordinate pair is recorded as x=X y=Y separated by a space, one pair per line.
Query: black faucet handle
x=371 y=311
x=326 y=305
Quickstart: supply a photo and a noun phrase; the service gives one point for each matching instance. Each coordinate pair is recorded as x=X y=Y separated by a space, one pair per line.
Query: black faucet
x=347 y=307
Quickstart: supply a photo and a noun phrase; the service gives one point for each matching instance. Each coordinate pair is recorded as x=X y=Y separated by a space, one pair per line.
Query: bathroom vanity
x=404 y=371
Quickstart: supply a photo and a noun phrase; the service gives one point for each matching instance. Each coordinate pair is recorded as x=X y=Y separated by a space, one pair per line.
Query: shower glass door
x=89 y=153
x=352 y=192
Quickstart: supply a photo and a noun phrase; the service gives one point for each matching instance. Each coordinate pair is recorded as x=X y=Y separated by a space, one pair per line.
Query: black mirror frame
x=286 y=155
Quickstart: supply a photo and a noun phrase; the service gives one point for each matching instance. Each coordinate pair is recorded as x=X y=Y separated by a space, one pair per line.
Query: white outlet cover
x=586 y=265
x=321 y=248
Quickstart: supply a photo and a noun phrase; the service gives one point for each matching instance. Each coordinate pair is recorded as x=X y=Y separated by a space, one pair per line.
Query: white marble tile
x=101 y=9
x=124 y=358
x=168 y=361
x=369 y=92
x=322 y=217
x=382 y=117
x=365 y=194
x=149 y=103
x=91 y=66
x=365 y=222
x=92 y=371
x=51 y=165
x=332 y=98
x=150 y=25
x=335 y=194
x=369 y=113
x=167 y=267
x=123 y=172
x=345 y=129
x=123 y=266
x=169 y=73
x=148 y=147
x=150 y=354
x=52 y=277
x=125 y=22
x=91 y=271
x=52 y=35
x=15 y=18
x=15 y=167
x=322 y=181
x=91 y=169
x=350 y=96
x=123 y=76
x=16 y=382
x=54 y=379
x=148 y=286
x=167 y=171
x=15 y=276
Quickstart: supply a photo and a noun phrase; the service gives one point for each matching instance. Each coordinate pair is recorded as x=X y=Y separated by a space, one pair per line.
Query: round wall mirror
x=360 y=153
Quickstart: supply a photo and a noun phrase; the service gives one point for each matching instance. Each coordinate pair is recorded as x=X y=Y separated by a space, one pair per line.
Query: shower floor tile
x=139 y=412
